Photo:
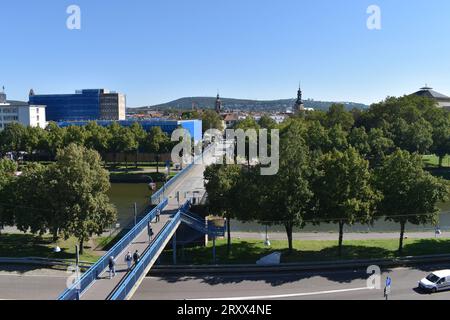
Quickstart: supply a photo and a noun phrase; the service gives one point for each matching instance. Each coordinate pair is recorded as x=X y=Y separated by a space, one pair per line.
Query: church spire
x=218 y=103
x=299 y=106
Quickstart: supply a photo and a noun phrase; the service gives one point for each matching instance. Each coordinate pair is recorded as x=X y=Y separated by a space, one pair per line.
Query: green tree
x=12 y=139
x=115 y=143
x=337 y=115
x=83 y=185
x=34 y=140
x=139 y=136
x=414 y=137
x=157 y=142
x=439 y=120
x=220 y=185
x=286 y=197
x=343 y=190
x=75 y=134
x=40 y=201
x=211 y=120
x=337 y=138
x=359 y=139
x=410 y=194
x=380 y=146
x=97 y=137
x=267 y=122
x=7 y=170
x=55 y=139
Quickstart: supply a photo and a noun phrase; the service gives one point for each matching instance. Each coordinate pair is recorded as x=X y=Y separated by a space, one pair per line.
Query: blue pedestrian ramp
x=95 y=282
x=132 y=281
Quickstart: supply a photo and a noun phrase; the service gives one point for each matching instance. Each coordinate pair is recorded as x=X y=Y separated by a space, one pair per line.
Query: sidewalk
x=334 y=236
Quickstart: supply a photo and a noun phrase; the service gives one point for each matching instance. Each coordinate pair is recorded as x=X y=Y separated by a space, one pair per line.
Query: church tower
x=218 y=104
x=299 y=106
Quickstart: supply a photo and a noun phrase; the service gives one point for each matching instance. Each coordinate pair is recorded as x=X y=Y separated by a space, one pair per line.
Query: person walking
x=150 y=231
x=112 y=267
x=129 y=260
x=158 y=216
x=136 y=257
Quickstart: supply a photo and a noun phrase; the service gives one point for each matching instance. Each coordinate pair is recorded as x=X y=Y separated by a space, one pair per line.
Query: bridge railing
x=157 y=196
x=80 y=286
x=202 y=225
x=127 y=285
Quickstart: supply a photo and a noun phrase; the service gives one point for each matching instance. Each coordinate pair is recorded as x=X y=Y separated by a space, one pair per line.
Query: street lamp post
x=267 y=242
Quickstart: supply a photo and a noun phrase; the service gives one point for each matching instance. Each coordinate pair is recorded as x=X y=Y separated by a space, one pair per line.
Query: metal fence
x=94 y=272
x=127 y=285
x=183 y=215
x=156 y=197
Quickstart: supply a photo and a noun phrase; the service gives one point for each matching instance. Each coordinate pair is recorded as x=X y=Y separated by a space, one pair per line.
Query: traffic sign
x=388 y=282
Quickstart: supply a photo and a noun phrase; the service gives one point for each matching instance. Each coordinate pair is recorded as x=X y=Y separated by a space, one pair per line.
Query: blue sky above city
x=159 y=50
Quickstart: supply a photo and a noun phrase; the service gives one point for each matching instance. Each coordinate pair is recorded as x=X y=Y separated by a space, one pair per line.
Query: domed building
x=442 y=100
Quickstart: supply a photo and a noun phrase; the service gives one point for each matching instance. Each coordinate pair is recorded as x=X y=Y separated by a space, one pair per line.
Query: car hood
x=427 y=282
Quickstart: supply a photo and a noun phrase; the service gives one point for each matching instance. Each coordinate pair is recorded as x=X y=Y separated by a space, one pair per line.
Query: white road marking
x=282 y=296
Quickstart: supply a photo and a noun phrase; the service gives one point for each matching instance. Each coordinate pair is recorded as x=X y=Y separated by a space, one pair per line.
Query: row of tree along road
x=342 y=167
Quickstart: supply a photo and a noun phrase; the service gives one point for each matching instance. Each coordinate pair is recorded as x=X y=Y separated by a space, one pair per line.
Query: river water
x=124 y=195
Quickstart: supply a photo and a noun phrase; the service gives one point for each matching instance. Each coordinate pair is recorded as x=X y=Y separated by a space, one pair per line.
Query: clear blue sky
x=159 y=50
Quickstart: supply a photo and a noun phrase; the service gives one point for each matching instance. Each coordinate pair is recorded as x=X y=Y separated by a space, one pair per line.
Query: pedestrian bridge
x=95 y=283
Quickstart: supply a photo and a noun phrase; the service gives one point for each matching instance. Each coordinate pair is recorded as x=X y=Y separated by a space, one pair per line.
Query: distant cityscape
x=106 y=107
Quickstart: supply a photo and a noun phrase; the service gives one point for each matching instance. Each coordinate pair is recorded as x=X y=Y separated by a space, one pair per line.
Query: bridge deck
x=193 y=181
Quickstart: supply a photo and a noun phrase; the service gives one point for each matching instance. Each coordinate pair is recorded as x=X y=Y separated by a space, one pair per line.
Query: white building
x=21 y=112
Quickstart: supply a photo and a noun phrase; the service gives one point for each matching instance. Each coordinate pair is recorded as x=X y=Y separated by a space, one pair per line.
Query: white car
x=436 y=281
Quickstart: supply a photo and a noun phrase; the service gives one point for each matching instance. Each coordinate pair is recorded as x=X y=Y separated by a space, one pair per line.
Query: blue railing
x=126 y=286
x=93 y=273
x=202 y=225
x=157 y=196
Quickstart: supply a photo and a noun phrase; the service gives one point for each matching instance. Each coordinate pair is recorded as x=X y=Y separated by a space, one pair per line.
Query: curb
x=43 y=262
x=319 y=266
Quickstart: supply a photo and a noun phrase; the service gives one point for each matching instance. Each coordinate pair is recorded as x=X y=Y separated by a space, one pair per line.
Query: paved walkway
x=192 y=181
x=104 y=286
x=334 y=236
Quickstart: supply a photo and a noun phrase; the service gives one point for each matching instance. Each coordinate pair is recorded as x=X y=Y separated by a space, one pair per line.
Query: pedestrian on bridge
x=129 y=260
x=112 y=267
x=136 y=257
x=150 y=231
x=158 y=216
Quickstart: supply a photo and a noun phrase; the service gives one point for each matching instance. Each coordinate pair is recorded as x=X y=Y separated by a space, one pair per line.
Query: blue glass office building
x=84 y=105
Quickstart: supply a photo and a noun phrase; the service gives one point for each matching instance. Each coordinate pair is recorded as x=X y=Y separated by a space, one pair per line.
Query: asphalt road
x=337 y=285
x=42 y=284
x=27 y=283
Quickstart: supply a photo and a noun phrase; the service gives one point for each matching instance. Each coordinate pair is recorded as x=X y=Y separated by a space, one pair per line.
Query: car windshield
x=433 y=278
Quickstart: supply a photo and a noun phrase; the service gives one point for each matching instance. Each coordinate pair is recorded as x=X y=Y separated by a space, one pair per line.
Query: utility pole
x=77 y=268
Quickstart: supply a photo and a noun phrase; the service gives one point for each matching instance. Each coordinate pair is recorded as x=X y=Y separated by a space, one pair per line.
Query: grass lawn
x=433 y=161
x=25 y=245
x=249 y=251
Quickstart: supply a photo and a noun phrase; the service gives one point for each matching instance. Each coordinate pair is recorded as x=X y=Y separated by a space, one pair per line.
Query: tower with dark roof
x=299 y=106
x=218 y=104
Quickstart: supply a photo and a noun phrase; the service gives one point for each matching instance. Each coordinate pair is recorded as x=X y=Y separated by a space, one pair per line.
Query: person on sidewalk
x=158 y=216
x=136 y=257
x=112 y=267
x=150 y=231
x=129 y=260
